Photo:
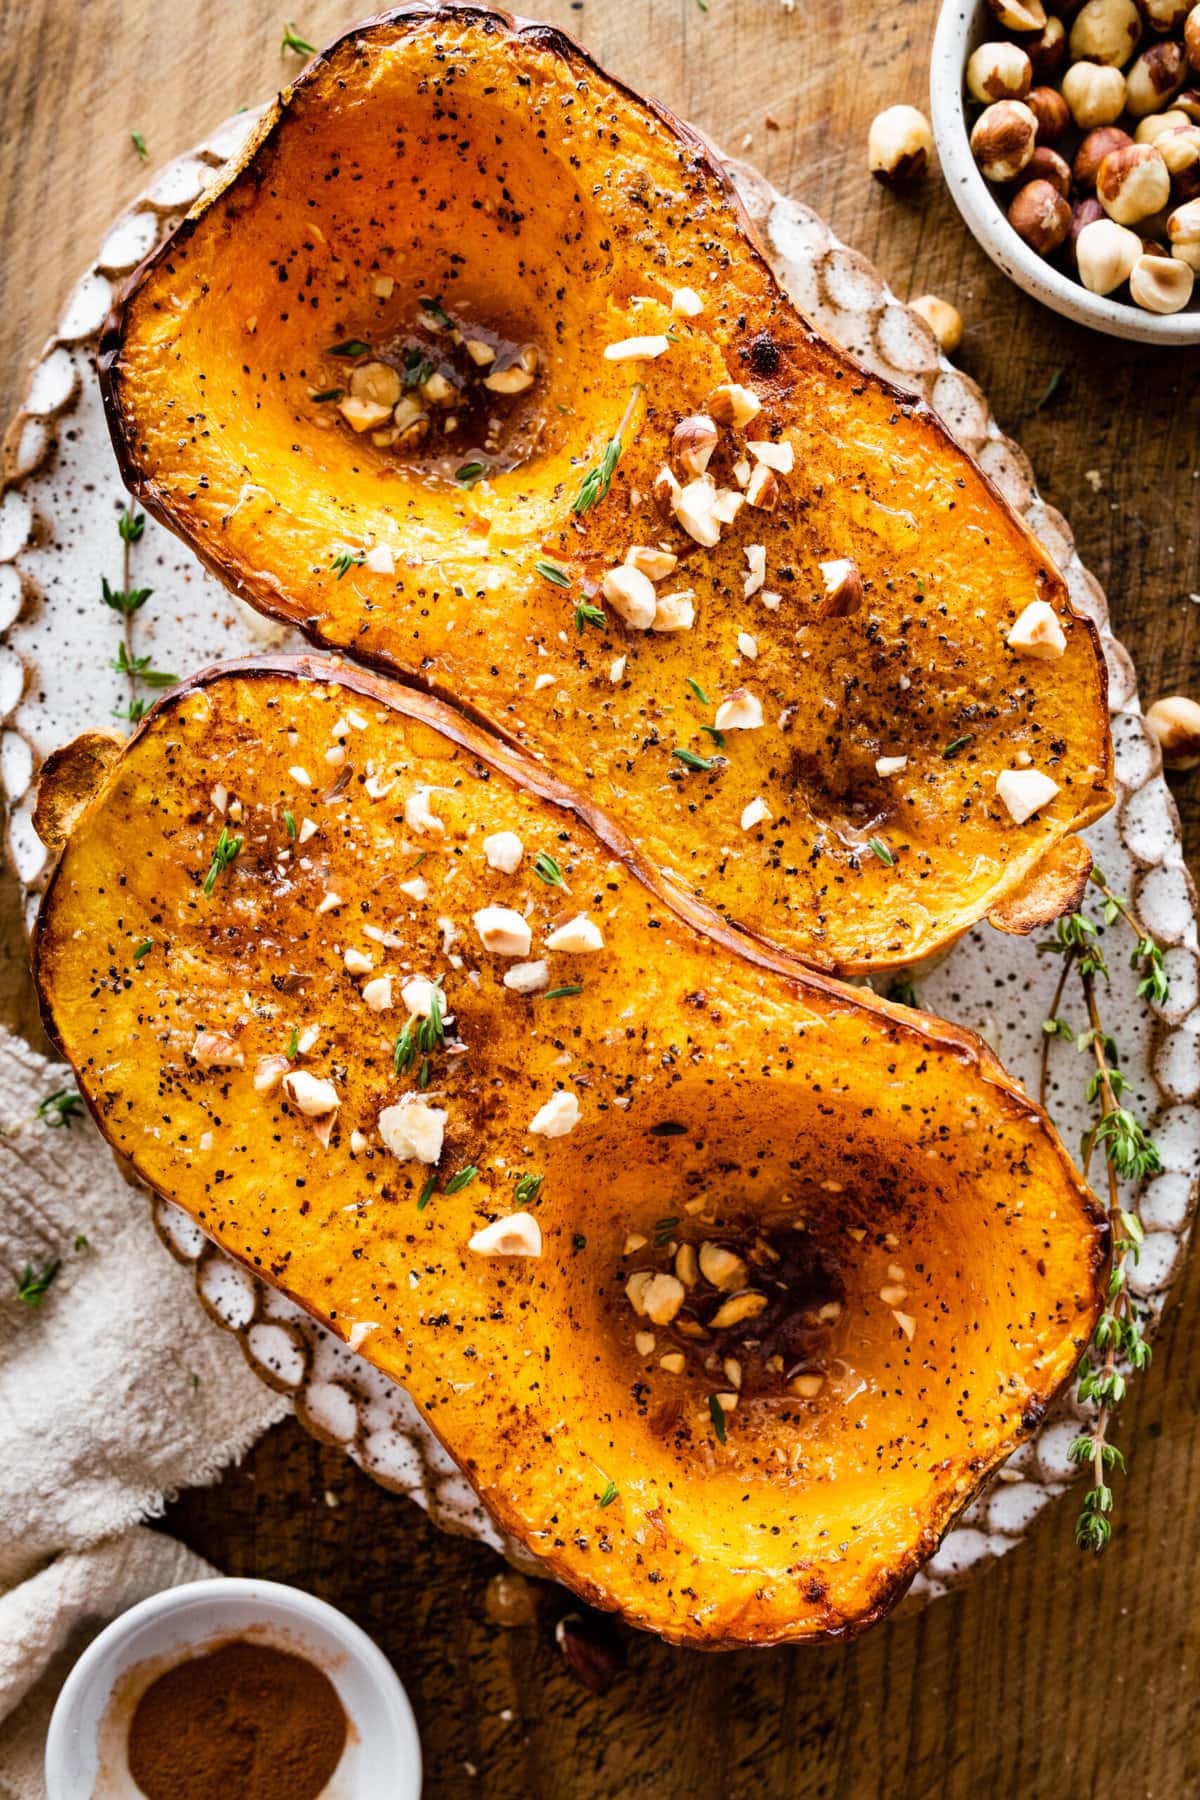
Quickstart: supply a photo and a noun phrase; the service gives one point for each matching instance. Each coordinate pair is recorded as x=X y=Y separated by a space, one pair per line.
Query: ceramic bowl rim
x=985 y=218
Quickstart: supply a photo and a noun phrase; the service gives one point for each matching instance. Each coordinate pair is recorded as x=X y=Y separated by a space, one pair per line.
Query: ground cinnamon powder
x=243 y=1721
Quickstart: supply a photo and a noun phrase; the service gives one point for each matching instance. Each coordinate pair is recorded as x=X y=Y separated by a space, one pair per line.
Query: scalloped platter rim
x=59 y=502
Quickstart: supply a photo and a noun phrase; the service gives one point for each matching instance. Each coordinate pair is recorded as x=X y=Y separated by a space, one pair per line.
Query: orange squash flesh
x=858 y=1156
x=452 y=160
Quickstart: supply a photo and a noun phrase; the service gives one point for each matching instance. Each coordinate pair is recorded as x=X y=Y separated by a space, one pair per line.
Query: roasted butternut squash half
x=472 y=368
x=726 y=1285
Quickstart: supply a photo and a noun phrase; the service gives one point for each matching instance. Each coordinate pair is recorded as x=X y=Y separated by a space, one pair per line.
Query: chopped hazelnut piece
x=379 y=560
x=557 y=1117
x=1037 y=633
x=214 y=1050
x=413 y=1130
x=779 y=457
x=727 y=1402
x=617 y=670
x=673 y=1362
x=652 y=561
x=378 y=993
x=527 y=977
x=503 y=931
x=578 y=936
x=890 y=765
x=736 y=1310
x=481 y=354
x=634 y=1242
x=417 y=995
x=644 y=1342
x=661 y=1296
x=732 y=1370
x=356 y=962
x=675 y=612
x=693 y=442
x=843 y=588
x=503 y=850
x=756 y=813
x=1024 y=792
x=756 y=563
x=667 y=492
x=513 y=380
x=518 y=1235
x=740 y=711
x=635 y=349
x=747 y=645
x=694 y=510
x=418 y=814
x=631 y=595
x=309 y=1094
x=686 y=1265
x=686 y=303
x=721 y=1267
x=906 y=1322
x=806 y=1387
x=894 y=1295
x=267 y=1072
x=762 y=488
x=732 y=404
x=363 y=415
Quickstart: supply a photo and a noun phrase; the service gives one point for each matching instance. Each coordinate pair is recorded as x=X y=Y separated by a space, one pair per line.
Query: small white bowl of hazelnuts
x=1069 y=135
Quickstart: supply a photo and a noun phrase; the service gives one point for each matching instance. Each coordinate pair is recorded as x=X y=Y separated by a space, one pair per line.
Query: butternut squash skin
x=457 y=155
x=723 y=1097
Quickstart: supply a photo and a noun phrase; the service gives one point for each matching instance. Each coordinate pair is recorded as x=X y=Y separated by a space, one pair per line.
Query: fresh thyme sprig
x=586 y=614
x=126 y=601
x=32 y=1285
x=1130 y=1154
x=549 y=871
x=57 y=1110
x=137 y=139
x=597 y=481
x=293 y=41
x=225 y=851
x=345 y=560
x=421 y=1036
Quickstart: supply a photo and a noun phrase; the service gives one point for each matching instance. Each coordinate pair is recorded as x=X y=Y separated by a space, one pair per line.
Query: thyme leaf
x=225 y=851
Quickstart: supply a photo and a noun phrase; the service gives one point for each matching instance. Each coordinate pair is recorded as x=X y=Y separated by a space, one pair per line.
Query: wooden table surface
x=1050 y=1675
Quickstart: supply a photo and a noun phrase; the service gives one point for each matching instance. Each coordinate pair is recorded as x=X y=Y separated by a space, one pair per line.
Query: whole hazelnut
x=1104 y=254
x=1165 y=15
x=1003 y=139
x=1133 y=183
x=1180 y=150
x=1051 y=112
x=1175 y=722
x=1191 y=38
x=1105 y=31
x=999 y=72
x=1047 y=49
x=1040 y=215
x=1046 y=165
x=1083 y=212
x=1095 y=95
x=899 y=146
x=1092 y=152
x=1151 y=129
x=1153 y=78
x=944 y=320
x=1161 y=284
x=1183 y=232
x=1187 y=101
x=1019 y=15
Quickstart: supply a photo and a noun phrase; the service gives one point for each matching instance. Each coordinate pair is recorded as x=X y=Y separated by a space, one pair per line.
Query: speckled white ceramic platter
x=58 y=538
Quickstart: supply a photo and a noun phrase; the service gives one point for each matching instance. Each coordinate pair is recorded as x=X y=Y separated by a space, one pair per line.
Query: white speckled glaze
x=58 y=537
x=961 y=27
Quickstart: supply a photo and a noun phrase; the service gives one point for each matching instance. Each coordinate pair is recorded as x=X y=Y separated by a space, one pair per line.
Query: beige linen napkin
x=115 y=1390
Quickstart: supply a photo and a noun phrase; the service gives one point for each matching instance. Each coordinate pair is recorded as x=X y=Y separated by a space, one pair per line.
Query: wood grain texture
x=1049 y=1675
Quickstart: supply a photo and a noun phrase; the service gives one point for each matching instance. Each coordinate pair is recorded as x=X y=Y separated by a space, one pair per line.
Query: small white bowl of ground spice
x=233 y=1688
